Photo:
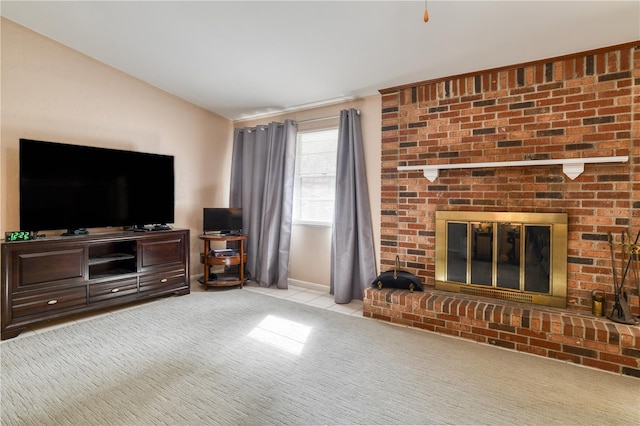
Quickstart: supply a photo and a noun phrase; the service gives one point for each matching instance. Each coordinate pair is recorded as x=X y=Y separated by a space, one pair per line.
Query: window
x=315 y=177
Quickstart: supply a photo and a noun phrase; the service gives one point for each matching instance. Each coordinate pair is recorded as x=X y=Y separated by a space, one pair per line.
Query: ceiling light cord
x=426 y=12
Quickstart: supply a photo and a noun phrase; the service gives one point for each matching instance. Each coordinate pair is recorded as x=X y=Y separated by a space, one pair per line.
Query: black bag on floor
x=397 y=278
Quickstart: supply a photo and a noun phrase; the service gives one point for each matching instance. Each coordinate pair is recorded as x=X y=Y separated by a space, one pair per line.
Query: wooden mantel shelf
x=572 y=167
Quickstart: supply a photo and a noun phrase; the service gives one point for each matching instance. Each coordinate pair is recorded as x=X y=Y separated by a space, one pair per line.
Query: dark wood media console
x=57 y=277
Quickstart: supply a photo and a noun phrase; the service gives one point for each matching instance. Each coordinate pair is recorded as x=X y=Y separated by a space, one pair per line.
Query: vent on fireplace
x=497 y=294
x=520 y=257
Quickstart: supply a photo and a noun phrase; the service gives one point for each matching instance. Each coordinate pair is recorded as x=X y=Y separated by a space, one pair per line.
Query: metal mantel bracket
x=572 y=167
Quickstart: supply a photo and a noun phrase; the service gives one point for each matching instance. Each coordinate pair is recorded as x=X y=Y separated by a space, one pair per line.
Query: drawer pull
x=164 y=280
x=115 y=290
x=52 y=302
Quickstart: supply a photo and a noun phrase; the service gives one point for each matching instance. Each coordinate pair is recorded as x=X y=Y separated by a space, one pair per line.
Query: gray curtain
x=353 y=266
x=262 y=175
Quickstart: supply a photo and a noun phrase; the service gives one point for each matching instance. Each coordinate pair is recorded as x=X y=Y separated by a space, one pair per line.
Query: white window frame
x=296 y=200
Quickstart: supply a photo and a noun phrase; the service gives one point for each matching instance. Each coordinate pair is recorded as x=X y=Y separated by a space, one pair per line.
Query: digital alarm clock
x=19 y=236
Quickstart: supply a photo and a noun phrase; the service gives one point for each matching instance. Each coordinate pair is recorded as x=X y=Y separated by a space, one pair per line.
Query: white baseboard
x=309 y=285
x=297 y=283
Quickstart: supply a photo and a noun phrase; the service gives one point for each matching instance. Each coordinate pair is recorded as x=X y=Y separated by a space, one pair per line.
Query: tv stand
x=53 y=278
x=161 y=227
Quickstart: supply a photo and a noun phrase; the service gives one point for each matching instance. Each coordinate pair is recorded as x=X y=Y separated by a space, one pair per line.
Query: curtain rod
x=329 y=117
x=309 y=120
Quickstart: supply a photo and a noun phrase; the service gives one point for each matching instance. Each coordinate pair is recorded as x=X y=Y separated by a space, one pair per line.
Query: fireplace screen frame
x=555 y=222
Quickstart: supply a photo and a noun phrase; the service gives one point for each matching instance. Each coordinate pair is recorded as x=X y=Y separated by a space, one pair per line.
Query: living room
x=55 y=93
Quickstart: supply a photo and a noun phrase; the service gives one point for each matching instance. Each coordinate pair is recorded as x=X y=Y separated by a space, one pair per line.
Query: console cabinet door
x=47 y=267
x=161 y=252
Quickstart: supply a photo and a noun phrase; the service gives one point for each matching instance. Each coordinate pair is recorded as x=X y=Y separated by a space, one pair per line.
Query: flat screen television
x=74 y=187
x=222 y=220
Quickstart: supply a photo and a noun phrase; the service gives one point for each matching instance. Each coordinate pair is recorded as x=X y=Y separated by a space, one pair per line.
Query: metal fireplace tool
x=621 y=311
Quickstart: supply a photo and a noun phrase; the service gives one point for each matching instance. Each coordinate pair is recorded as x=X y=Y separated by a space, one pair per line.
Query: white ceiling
x=243 y=59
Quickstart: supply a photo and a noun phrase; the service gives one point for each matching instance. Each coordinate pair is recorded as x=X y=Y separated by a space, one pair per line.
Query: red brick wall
x=583 y=105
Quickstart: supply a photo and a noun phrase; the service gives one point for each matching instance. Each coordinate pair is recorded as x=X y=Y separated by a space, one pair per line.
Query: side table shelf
x=235 y=257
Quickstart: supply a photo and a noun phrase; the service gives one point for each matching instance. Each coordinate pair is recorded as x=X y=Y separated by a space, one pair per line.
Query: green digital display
x=17 y=236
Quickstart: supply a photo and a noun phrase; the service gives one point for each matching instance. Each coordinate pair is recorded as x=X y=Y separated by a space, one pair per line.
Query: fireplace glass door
x=503 y=257
x=521 y=253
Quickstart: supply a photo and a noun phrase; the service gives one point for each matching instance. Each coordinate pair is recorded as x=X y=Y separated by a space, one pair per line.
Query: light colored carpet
x=243 y=358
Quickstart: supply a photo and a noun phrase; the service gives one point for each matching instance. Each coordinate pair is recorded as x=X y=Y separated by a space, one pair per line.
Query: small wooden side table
x=212 y=257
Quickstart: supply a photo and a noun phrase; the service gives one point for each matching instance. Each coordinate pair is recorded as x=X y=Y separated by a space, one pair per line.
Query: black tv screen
x=222 y=220
x=73 y=187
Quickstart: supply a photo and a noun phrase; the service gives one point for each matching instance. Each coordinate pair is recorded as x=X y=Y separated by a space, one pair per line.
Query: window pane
x=482 y=260
x=537 y=252
x=509 y=256
x=317 y=210
x=457 y=252
x=314 y=189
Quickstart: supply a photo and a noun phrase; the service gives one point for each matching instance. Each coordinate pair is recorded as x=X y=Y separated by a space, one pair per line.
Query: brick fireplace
x=576 y=106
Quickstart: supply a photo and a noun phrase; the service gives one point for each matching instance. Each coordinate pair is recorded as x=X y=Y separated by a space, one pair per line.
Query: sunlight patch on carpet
x=284 y=334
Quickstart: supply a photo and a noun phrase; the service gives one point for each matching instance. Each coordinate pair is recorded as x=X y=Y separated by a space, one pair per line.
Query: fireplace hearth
x=570 y=336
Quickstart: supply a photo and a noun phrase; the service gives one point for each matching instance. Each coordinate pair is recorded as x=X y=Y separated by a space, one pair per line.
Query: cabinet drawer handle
x=164 y=280
x=52 y=302
x=115 y=290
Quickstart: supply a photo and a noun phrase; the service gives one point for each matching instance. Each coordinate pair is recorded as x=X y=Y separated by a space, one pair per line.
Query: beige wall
x=310 y=257
x=50 y=92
